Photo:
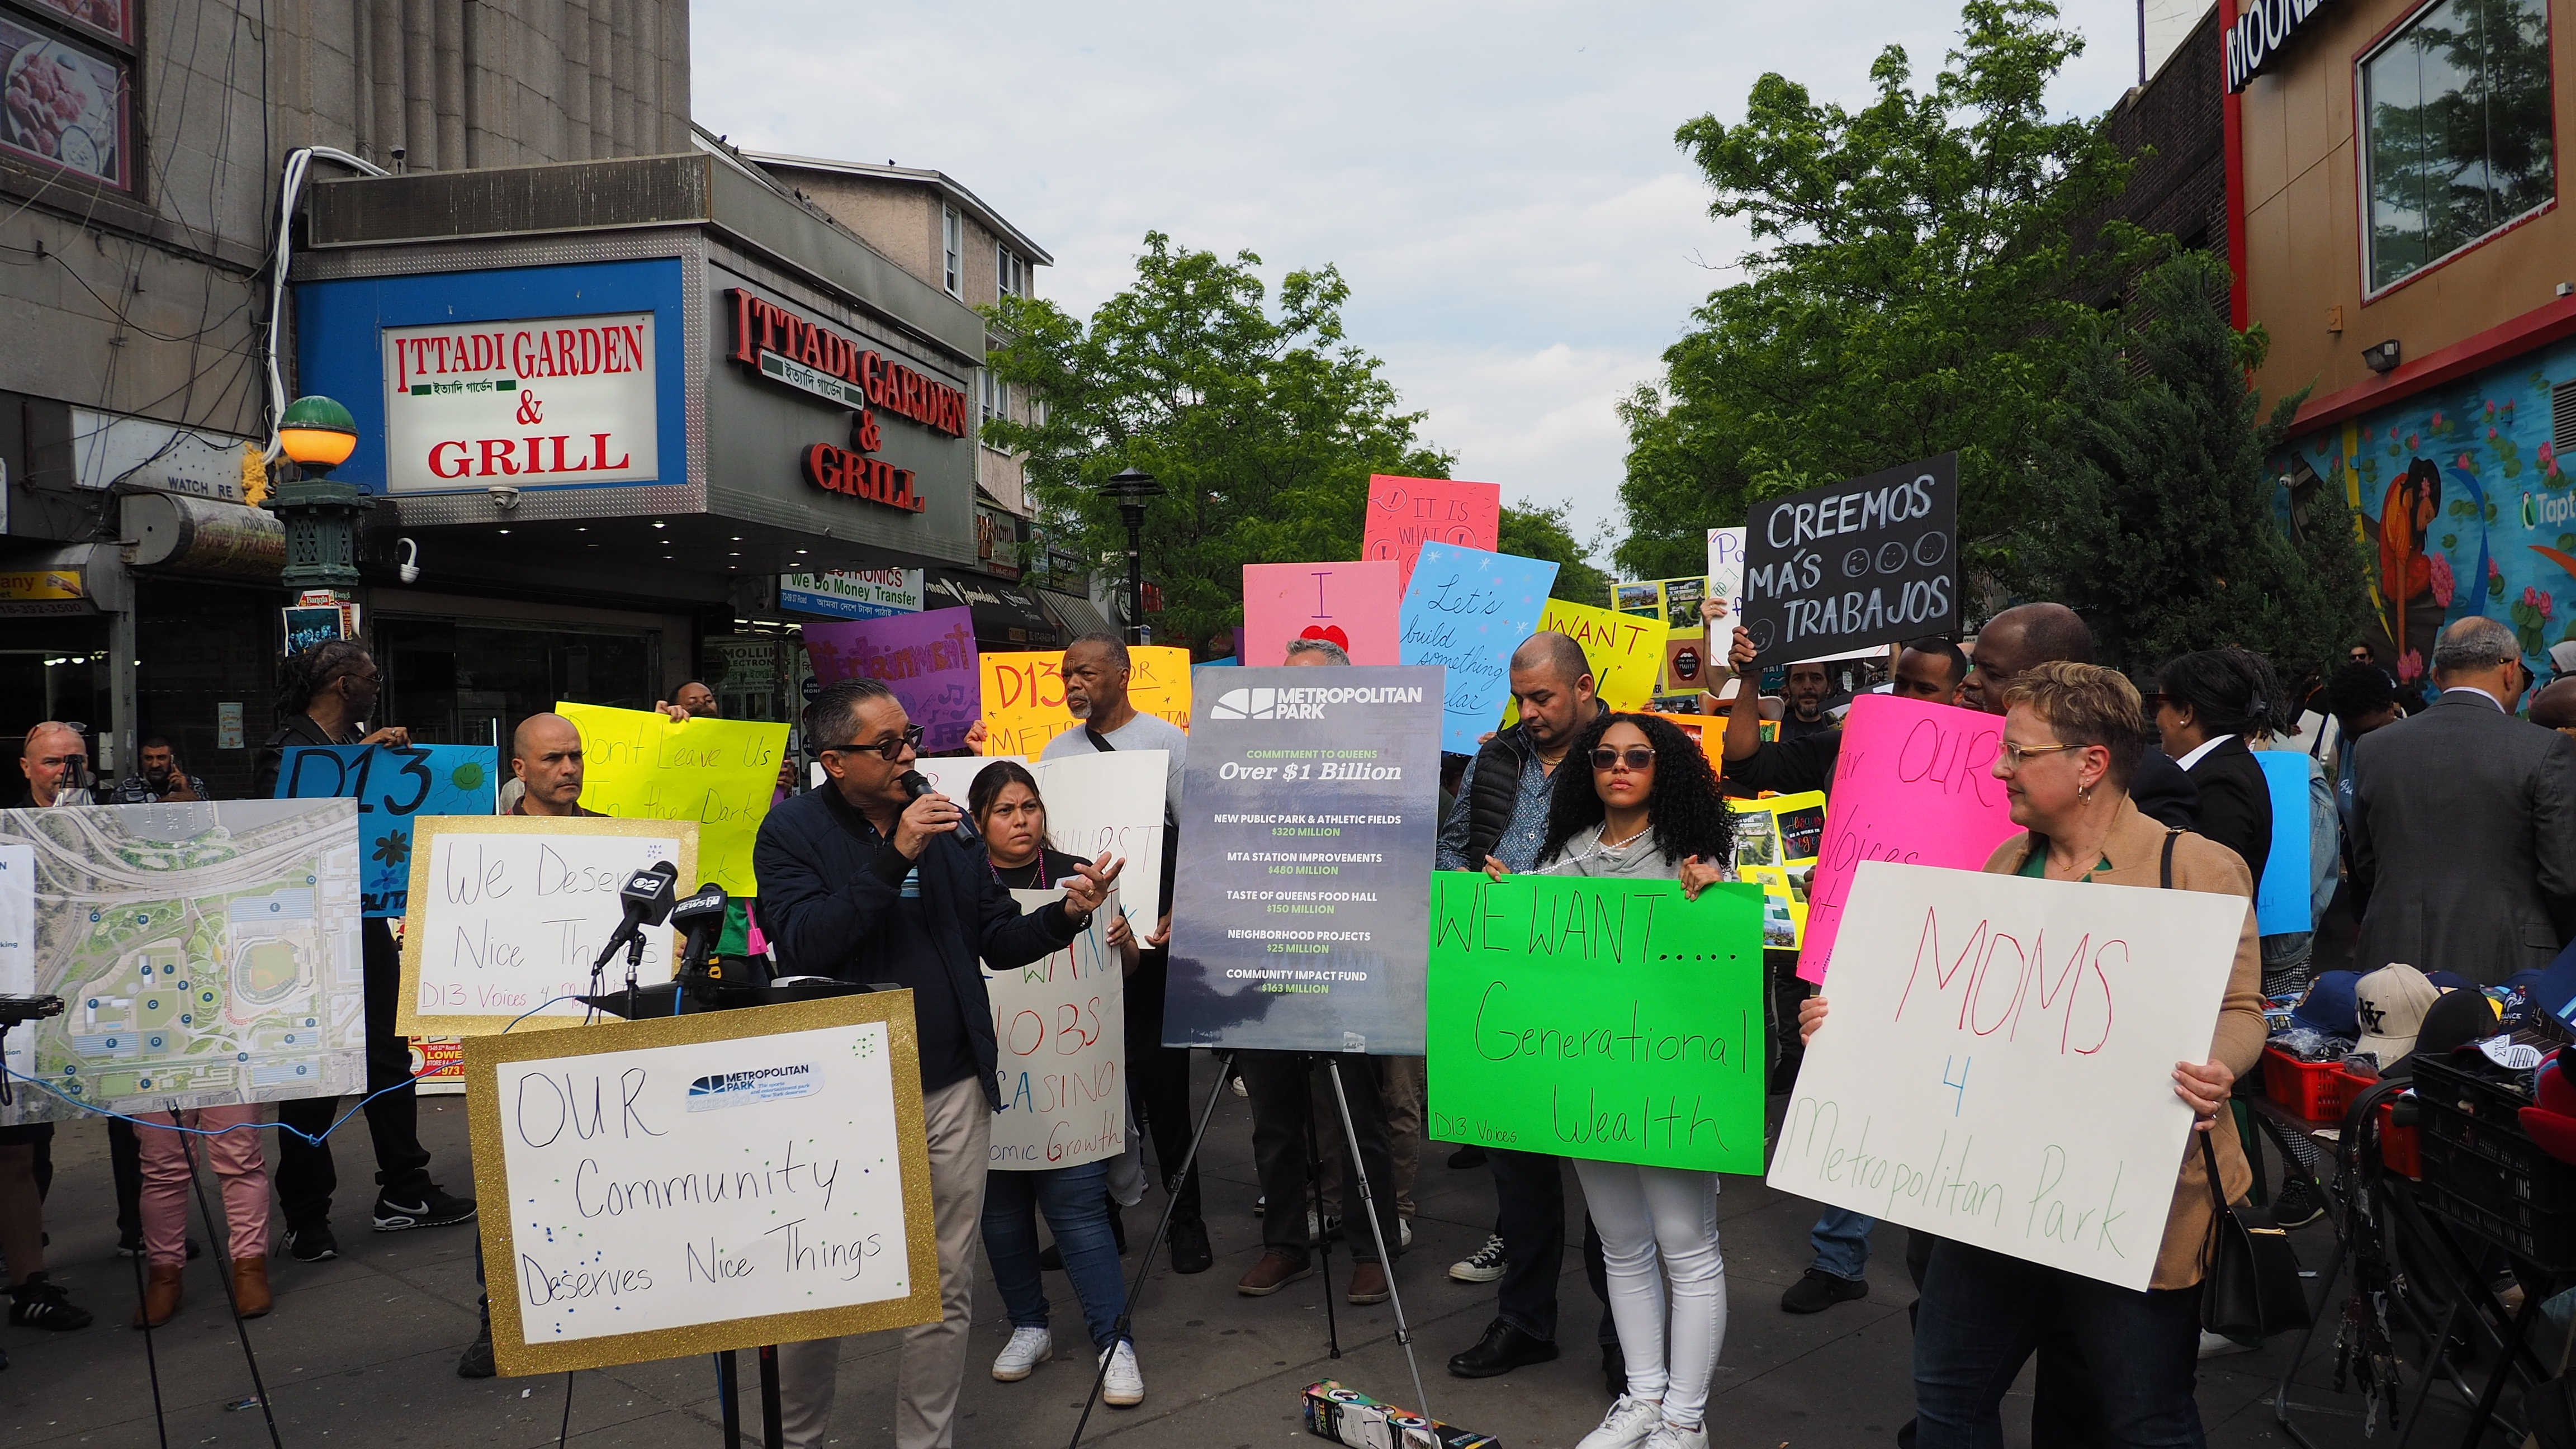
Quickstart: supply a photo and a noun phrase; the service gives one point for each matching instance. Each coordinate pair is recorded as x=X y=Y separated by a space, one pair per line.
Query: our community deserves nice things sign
x=1998 y=1063
x=698 y=1183
x=1605 y=1019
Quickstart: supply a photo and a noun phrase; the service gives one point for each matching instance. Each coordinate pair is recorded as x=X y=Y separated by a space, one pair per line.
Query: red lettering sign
x=761 y=326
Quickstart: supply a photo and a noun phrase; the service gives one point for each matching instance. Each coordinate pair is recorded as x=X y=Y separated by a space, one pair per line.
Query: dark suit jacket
x=2464 y=830
x=2235 y=804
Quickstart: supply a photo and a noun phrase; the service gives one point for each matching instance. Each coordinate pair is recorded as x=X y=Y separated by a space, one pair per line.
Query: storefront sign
x=523 y=404
x=2262 y=26
x=784 y=347
x=839 y=470
x=1850 y=565
x=138 y=453
x=853 y=593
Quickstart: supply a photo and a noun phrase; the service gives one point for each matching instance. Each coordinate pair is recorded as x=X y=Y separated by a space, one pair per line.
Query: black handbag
x=2249 y=1283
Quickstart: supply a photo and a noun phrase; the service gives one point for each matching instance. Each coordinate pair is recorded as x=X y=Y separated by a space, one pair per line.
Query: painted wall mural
x=2466 y=506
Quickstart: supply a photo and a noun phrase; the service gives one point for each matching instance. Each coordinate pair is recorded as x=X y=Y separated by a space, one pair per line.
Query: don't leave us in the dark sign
x=1872 y=561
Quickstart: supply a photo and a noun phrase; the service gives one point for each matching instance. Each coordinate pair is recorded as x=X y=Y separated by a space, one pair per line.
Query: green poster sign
x=1608 y=1019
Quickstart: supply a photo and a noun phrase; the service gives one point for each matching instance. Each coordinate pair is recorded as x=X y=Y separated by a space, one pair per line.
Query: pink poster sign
x=1406 y=513
x=1351 y=604
x=1914 y=785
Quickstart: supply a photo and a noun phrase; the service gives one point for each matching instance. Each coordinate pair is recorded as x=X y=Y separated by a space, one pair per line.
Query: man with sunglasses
x=863 y=881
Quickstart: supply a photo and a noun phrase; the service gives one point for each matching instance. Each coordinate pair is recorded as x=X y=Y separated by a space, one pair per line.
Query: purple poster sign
x=928 y=659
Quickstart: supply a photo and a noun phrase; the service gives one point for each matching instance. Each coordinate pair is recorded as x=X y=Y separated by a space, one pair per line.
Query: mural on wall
x=2466 y=508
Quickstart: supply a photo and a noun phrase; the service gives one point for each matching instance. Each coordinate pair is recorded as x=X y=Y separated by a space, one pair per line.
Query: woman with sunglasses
x=1649 y=809
x=2073 y=735
x=1012 y=820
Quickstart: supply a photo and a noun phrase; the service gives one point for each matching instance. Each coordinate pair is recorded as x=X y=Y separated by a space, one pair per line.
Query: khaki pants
x=1400 y=1089
x=960 y=1128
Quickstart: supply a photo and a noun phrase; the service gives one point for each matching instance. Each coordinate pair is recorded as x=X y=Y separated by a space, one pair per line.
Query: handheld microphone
x=647 y=898
x=917 y=784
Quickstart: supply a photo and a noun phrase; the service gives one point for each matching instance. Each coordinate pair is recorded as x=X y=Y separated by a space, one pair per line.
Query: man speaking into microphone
x=866 y=880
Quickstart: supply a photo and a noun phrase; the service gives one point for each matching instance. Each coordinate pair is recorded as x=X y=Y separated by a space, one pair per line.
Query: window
x=997 y=397
x=1010 y=274
x=952 y=239
x=66 y=77
x=2457 y=106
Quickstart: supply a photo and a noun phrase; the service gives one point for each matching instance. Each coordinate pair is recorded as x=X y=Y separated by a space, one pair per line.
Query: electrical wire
x=290 y=186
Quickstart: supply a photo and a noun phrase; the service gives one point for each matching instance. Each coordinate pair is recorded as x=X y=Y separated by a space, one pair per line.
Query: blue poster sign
x=1467 y=610
x=392 y=785
x=2281 y=904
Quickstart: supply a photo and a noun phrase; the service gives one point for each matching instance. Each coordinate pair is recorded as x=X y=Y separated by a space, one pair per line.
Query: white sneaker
x=1028 y=1348
x=1483 y=1266
x=1124 y=1388
x=2218 y=1345
x=1669 y=1435
x=1404 y=1232
x=1628 y=1424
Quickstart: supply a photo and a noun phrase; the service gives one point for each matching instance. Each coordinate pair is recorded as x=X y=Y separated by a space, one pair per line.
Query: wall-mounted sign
x=563 y=400
x=841 y=470
x=132 y=454
x=783 y=347
x=852 y=593
x=2262 y=27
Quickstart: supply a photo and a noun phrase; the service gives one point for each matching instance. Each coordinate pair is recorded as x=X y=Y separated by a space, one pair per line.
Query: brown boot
x=160 y=1296
x=250 y=1287
x=1368 y=1283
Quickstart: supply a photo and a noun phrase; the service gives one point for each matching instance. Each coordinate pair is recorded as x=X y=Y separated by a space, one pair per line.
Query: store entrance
x=470 y=682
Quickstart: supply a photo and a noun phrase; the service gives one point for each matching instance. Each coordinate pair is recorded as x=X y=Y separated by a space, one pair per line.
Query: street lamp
x=1130 y=490
x=321 y=516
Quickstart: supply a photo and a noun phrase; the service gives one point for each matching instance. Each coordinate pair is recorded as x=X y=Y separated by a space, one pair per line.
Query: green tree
x=2162 y=520
x=1917 y=291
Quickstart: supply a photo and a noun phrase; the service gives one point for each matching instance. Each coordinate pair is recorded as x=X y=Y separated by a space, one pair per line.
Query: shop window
x=952 y=241
x=67 y=86
x=2457 y=110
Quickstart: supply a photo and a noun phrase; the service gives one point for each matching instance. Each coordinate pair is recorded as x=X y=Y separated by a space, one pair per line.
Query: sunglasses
x=887 y=750
x=1636 y=757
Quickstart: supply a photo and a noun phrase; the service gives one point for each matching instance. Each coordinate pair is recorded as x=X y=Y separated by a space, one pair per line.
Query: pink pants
x=236 y=1159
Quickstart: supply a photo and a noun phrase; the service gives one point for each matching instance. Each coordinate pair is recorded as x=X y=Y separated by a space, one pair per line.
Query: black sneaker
x=1466 y=1157
x=313 y=1244
x=476 y=1361
x=40 y=1303
x=1820 y=1290
x=434 y=1208
x=1190 y=1252
x=2296 y=1206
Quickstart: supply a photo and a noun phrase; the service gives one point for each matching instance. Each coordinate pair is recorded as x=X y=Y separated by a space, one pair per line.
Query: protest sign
x=927 y=659
x=392 y=784
x=1625 y=653
x=1466 y=611
x=692 y=1184
x=1871 y=561
x=1061 y=1025
x=1687 y=666
x=1998 y=1065
x=1726 y=568
x=1350 y=604
x=1024 y=694
x=1310 y=810
x=1597 y=1018
x=1777 y=838
x=2281 y=903
x=207 y=954
x=508 y=913
x=1406 y=513
x=720 y=773
x=1094 y=802
x=1915 y=783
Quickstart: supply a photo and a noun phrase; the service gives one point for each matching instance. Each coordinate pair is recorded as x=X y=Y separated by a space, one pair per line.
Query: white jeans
x=1645 y=1213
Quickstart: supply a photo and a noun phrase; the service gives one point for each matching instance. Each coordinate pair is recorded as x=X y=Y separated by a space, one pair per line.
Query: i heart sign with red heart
x=1330 y=632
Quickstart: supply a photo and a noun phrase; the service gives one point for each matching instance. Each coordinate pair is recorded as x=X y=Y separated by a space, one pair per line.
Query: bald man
x=545 y=758
x=2028 y=635
x=56 y=762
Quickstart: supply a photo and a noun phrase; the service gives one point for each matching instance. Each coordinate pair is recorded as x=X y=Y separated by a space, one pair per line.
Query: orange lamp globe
x=317 y=433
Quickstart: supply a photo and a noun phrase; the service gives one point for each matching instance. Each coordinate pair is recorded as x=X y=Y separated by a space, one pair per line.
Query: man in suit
x=2464 y=821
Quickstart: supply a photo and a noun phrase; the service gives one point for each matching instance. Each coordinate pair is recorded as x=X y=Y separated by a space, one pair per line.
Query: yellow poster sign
x=1777 y=840
x=721 y=773
x=1024 y=694
x=1626 y=652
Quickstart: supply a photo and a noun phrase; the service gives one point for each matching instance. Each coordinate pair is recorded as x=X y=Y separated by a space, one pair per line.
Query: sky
x=1497 y=181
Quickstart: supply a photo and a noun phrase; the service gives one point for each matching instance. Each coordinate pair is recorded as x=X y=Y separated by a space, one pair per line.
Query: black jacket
x=2235 y=803
x=1497 y=787
x=828 y=882
x=295 y=729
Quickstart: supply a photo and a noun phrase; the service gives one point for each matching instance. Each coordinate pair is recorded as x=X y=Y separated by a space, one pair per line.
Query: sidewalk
x=363 y=1350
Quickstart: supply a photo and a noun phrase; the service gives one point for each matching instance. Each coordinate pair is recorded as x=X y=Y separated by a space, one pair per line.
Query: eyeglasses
x=887 y=750
x=2014 y=755
x=1638 y=757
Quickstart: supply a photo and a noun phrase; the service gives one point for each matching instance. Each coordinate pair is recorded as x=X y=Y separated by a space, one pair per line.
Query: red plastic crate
x=2316 y=1091
x=2399 y=1147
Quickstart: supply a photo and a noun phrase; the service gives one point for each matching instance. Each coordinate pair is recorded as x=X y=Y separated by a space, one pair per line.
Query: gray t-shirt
x=1638 y=859
x=1144 y=732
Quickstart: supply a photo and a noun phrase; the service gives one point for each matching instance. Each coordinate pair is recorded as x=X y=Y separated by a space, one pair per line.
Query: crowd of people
x=2445 y=827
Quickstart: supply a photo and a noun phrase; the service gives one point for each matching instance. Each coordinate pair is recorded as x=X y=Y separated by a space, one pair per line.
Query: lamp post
x=321 y=516
x=1130 y=490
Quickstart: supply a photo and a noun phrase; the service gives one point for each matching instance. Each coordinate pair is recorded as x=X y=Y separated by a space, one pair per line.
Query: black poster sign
x=1871 y=561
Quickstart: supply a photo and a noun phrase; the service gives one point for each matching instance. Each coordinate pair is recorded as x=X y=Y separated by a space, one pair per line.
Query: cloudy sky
x=1497 y=181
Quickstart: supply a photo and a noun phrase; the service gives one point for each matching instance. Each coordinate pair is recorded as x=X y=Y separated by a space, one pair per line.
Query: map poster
x=1307 y=821
x=391 y=783
x=206 y=954
x=1061 y=1024
x=691 y=1184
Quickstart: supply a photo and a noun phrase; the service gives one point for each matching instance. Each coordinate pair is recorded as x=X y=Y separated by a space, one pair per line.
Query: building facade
x=2396 y=229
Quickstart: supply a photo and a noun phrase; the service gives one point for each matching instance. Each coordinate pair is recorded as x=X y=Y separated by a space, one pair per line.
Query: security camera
x=504 y=497
x=409 y=560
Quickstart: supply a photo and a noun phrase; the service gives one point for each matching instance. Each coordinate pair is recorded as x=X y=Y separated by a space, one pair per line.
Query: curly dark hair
x=1689 y=815
x=309 y=671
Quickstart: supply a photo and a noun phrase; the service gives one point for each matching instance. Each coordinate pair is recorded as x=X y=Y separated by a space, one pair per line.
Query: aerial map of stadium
x=206 y=954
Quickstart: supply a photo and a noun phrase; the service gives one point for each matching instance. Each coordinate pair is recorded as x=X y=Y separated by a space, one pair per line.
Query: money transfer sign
x=1308 y=813
x=1603 y=1019
x=1024 y=694
x=1915 y=784
x=1871 y=561
x=1061 y=1024
x=927 y=659
x=698 y=1183
x=392 y=784
x=1406 y=513
x=1998 y=1065
x=1466 y=611
x=1349 y=604
x=508 y=912
x=718 y=773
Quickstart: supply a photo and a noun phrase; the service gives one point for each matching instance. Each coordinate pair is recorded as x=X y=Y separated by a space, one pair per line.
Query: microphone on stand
x=647 y=898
